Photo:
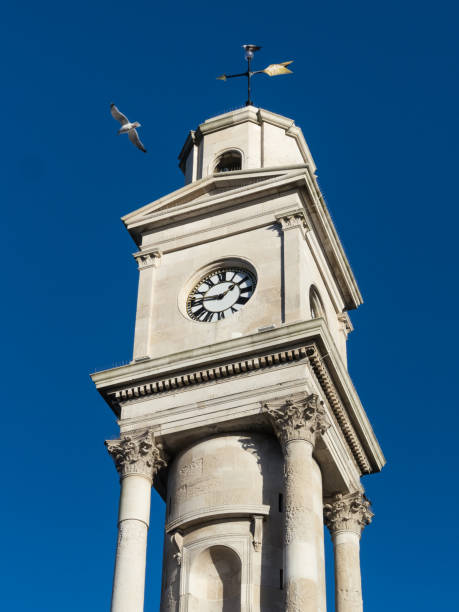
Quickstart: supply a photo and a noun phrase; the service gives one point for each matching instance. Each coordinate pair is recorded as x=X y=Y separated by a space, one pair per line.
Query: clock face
x=220 y=294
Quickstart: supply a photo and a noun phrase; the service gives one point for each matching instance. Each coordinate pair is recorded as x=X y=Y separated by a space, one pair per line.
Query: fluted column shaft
x=136 y=459
x=346 y=517
x=303 y=505
x=348 y=582
x=297 y=422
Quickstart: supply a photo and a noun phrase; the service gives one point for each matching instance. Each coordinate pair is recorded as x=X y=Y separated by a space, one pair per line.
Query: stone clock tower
x=237 y=405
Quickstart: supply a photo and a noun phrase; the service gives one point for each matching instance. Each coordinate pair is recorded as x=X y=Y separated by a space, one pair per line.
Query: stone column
x=147 y=262
x=346 y=516
x=137 y=459
x=298 y=421
x=293 y=226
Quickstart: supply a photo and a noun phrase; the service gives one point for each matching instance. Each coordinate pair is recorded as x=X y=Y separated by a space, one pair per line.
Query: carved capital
x=293 y=219
x=345 y=323
x=299 y=417
x=136 y=454
x=147 y=259
x=348 y=513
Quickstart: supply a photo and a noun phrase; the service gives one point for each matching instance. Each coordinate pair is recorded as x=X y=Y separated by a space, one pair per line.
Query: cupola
x=245 y=139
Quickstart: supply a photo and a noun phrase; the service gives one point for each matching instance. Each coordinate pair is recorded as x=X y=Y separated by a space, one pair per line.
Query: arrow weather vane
x=271 y=70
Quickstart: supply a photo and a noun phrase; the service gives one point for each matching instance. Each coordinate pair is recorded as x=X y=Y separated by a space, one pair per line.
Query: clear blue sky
x=375 y=91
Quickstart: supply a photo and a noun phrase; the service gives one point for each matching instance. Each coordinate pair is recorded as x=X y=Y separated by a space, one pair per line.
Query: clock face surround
x=220 y=293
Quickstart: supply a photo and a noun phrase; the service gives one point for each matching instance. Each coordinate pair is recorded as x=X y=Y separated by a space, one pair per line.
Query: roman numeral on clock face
x=220 y=293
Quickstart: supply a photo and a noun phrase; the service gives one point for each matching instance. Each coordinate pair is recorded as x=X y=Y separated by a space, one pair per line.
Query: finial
x=271 y=70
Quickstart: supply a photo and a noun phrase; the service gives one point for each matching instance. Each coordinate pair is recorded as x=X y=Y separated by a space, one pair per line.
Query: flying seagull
x=127 y=127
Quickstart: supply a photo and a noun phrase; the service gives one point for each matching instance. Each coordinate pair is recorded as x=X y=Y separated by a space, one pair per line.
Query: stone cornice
x=216 y=512
x=348 y=513
x=297 y=417
x=339 y=411
x=200 y=196
x=211 y=373
x=136 y=454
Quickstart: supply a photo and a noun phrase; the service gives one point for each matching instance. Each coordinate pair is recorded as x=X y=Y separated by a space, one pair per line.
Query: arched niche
x=215 y=581
x=316 y=305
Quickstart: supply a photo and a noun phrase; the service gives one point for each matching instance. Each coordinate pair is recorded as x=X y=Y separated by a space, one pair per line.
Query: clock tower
x=237 y=405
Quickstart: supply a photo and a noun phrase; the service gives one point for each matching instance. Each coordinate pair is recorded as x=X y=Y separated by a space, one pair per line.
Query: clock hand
x=230 y=288
x=220 y=295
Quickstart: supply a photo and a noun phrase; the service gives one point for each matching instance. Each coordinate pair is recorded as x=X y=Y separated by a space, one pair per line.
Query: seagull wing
x=134 y=138
x=117 y=115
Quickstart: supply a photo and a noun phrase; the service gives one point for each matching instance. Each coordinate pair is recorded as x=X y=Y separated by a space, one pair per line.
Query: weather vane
x=271 y=70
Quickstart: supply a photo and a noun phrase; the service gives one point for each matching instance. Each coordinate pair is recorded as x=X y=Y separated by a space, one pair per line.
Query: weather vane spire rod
x=271 y=70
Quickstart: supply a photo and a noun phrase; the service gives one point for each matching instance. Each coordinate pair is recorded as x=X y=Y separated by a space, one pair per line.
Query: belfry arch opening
x=215 y=581
x=229 y=161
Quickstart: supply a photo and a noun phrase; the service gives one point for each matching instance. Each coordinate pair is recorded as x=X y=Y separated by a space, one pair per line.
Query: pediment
x=200 y=192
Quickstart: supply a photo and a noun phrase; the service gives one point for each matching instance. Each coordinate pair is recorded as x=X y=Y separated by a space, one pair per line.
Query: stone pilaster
x=346 y=516
x=297 y=422
x=147 y=262
x=137 y=458
x=293 y=227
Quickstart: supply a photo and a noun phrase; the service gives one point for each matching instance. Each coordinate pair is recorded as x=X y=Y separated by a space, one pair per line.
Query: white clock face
x=220 y=294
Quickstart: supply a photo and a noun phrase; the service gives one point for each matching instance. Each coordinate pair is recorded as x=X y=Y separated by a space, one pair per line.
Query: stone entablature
x=247 y=366
x=136 y=454
x=186 y=377
x=348 y=513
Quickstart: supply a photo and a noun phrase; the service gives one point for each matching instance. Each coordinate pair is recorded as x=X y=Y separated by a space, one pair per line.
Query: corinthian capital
x=299 y=417
x=136 y=454
x=348 y=513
